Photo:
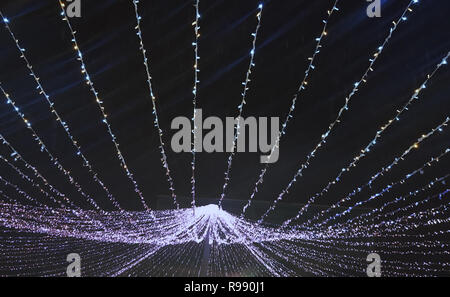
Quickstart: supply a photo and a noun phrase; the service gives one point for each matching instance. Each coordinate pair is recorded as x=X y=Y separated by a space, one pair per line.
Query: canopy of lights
x=409 y=231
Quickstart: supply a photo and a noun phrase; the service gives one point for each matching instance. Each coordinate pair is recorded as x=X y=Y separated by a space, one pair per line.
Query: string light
x=245 y=83
x=73 y=208
x=99 y=102
x=36 y=239
x=22 y=193
x=63 y=124
x=290 y=115
x=344 y=108
x=196 y=26
x=359 y=189
x=31 y=181
x=387 y=168
x=368 y=217
x=249 y=245
x=53 y=160
x=367 y=149
x=153 y=97
x=16 y=156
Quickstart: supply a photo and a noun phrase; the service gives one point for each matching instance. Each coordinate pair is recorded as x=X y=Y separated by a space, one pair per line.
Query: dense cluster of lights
x=236 y=244
x=245 y=83
x=407 y=228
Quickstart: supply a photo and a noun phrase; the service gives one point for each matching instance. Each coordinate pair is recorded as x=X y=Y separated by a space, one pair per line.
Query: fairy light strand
x=359 y=189
x=368 y=217
x=34 y=238
x=345 y=107
x=99 y=102
x=164 y=161
x=367 y=149
x=387 y=168
x=290 y=115
x=16 y=156
x=58 y=118
x=196 y=26
x=31 y=181
x=43 y=148
x=245 y=83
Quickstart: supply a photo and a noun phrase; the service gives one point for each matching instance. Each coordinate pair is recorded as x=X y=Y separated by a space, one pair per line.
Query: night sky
x=107 y=38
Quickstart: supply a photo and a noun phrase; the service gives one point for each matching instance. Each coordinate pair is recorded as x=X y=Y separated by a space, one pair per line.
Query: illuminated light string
x=357 y=190
x=310 y=248
x=60 y=223
x=357 y=230
x=439 y=196
x=153 y=97
x=408 y=176
x=31 y=181
x=245 y=83
x=196 y=26
x=302 y=86
x=357 y=226
x=63 y=124
x=368 y=217
x=292 y=251
x=16 y=156
x=123 y=232
x=6 y=197
x=344 y=108
x=387 y=168
x=53 y=160
x=54 y=247
x=367 y=149
x=358 y=246
x=99 y=102
x=23 y=193
x=132 y=239
x=393 y=225
x=429 y=217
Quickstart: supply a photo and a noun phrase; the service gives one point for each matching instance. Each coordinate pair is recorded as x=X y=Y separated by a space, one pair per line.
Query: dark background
x=106 y=36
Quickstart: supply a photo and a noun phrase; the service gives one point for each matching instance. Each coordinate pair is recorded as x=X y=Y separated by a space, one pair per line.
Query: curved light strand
x=155 y=112
x=99 y=102
x=53 y=160
x=367 y=149
x=344 y=108
x=245 y=83
x=416 y=144
x=196 y=26
x=302 y=86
